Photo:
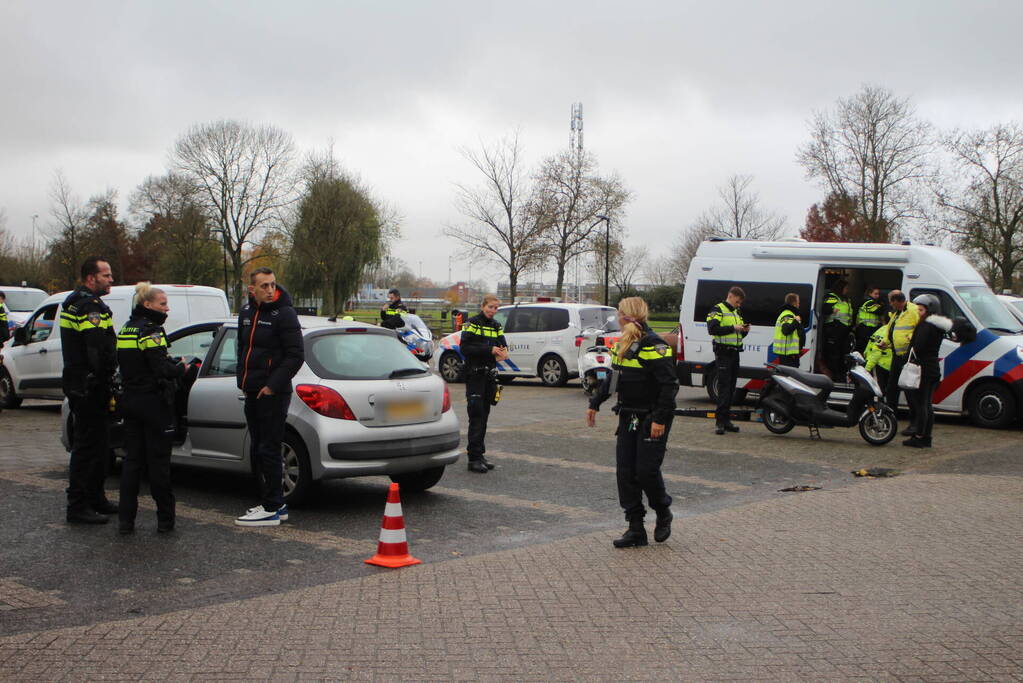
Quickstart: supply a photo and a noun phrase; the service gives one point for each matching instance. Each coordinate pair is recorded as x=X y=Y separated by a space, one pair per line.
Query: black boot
x=663 y=528
x=478 y=466
x=634 y=537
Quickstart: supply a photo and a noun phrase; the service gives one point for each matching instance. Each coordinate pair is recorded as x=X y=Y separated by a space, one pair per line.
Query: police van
x=982 y=379
x=34 y=362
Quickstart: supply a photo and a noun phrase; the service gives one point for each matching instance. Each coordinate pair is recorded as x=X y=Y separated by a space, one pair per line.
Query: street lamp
x=607 y=254
x=34 y=217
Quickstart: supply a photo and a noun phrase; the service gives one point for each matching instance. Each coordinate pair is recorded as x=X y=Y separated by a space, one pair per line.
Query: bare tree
x=574 y=196
x=983 y=201
x=244 y=176
x=66 y=238
x=874 y=150
x=686 y=243
x=506 y=218
x=660 y=271
x=626 y=267
x=739 y=215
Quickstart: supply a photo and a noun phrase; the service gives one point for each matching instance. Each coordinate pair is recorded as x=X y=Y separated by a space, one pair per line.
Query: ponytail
x=635 y=308
x=144 y=291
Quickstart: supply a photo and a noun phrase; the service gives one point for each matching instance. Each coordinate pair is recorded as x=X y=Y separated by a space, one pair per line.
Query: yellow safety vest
x=903 y=325
x=727 y=318
x=785 y=345
x=869 y=314
x=875 y=355
x=841 y=310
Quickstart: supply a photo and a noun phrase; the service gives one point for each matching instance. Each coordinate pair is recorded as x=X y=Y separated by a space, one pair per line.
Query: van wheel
x=992 y=405
x=711 y=379
x=414 y=482
x=553 y=371
x=298 y=475
x=8 y=397
x=451 y=368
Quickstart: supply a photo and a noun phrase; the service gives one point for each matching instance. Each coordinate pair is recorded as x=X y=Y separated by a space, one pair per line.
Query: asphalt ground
x=555 y=480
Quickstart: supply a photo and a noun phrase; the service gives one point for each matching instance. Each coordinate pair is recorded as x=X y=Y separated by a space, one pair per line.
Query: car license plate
x=403 y=410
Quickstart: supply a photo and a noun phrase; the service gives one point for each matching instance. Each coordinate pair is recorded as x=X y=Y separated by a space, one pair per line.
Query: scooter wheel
x=879 y=427
x=777 y=423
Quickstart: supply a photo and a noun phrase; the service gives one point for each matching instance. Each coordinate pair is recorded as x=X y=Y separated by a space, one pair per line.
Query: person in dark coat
x=270 y=352
x=925 y=346
x=483 y=345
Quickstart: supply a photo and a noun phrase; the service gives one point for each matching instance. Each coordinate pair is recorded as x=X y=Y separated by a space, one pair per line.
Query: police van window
x=949 y=308
x=524 y=320
x=552 y=320
x=991 y=313
x=764 y=300
x=41 y=326
x=225 y=360
x=502 y=318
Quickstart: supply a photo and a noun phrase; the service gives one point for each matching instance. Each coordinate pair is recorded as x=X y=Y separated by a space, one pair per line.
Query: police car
x=544 y=340
x=982 y=379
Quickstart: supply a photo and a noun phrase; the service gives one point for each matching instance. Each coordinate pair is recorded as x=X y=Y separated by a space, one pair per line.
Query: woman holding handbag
x=924 y=348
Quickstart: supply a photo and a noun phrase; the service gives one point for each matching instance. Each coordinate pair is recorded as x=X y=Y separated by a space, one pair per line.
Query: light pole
x=607 y=254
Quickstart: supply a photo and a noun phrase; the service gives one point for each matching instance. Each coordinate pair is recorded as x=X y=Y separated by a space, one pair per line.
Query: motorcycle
x=792 y=396
x=594 y=367
x=416 y=336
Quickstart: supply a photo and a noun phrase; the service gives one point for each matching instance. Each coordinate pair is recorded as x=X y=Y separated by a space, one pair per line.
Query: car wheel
x=992 y=405
x=8 y=397
x=710 y=381
x=552 y=371
x=451 y=368
x=298 y=475
x=414 y=482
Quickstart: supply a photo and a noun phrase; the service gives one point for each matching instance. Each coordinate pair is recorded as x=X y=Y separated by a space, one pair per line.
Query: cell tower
x=575 y=138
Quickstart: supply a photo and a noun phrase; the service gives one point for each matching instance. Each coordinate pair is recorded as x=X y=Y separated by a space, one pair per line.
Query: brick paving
x=912 y=578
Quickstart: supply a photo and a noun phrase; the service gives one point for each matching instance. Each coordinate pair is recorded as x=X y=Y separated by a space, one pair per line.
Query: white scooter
x=417 y=336
x=594 y=366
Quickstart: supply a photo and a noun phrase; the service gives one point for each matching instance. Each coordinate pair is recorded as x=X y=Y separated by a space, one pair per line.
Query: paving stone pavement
x=912 y=578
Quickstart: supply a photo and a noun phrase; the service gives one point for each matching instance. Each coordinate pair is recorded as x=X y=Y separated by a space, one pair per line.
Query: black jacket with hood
x=926 y=344
x=270 y=344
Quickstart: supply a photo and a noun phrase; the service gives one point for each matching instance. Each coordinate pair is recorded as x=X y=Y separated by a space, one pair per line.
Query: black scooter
x=792 y=396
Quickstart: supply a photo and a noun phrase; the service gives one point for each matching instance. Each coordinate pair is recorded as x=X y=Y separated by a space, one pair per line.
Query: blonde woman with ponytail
x=644 y=375
x=149 y=376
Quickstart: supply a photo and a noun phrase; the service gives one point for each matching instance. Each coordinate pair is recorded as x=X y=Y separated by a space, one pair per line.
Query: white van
x=33 y=362
x=20 y=302
x=544 y=340
x=983 y=379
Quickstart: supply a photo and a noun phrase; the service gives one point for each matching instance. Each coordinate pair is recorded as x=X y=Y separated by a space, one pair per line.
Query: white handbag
x=909 y=378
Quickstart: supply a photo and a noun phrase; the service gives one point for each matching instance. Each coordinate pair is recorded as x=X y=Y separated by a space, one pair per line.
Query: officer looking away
x=270 y=352
x=727 y=328
x=789 y=335
x=869 y=317
x=483 y=345
x=390 y=313
x=88 y=345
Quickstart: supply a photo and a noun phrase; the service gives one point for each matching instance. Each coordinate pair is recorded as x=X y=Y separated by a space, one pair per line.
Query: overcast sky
x=677 y=95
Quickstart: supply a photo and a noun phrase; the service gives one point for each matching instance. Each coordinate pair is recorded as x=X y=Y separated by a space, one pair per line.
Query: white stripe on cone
x=392 y=510
x=392 y=536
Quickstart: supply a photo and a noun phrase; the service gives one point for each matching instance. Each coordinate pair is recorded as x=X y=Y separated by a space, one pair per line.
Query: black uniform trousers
x=148 y=429
x=891 y=394
x=479 y=387
x=922 y=400
x=836 y=346
x=791 y=360
x=266 y=418
x=638 y=461
x=726 y=372
x=90 y=451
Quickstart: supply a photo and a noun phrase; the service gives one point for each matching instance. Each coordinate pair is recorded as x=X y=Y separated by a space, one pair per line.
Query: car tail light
x=325 y=401
x=447 y=399
x=579 y=340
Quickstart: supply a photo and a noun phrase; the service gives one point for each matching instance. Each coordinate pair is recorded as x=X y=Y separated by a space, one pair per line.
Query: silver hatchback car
x=362 y=405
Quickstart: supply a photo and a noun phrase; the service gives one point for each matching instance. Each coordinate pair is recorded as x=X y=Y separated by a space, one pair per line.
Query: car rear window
x=360 y=355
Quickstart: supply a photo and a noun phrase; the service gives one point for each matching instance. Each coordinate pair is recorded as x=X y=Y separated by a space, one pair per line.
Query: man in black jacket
x=390 y=314
x=270 y=352
x=88 y=346
x=483 y=345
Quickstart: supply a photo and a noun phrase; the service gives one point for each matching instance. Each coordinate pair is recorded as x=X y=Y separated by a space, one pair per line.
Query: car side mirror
x=20 y=336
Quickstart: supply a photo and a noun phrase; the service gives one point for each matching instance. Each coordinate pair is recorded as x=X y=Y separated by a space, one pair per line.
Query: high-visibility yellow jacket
x=901 y=329
x=874 y=354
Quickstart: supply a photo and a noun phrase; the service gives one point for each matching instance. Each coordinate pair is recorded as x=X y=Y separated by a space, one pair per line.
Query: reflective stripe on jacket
x=903 y=325
x=727 y=318
x=785 y=344
x=841 y=310
x=870 y=314
x=874 y=354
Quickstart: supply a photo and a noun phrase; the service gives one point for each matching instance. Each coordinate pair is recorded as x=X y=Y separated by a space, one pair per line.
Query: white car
x=20 y=302
x=362 y=405
x=544 y=340
x=33 y=362
x=1014 y=304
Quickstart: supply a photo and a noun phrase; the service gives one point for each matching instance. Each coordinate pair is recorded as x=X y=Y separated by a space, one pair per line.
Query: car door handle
x=42 y=351
x=241 y=397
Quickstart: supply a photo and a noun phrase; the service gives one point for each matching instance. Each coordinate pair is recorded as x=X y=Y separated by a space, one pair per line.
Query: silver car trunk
x=392 y=402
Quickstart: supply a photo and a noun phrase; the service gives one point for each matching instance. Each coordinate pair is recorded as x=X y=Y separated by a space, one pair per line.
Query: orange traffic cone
x=392 y=551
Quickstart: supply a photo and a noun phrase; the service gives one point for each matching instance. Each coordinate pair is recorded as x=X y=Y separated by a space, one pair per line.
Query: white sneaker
x=257 y=516
x=282 y=511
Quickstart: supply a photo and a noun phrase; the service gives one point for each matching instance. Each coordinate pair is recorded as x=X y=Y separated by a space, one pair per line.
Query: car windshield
x=599 y=319
x=989 y=310
x=23 y=301
x=360 y=355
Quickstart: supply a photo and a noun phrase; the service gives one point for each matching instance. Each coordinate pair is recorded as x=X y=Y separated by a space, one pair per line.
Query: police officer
x=789 y=335
x=5 y=332
x=149 y=376
x=483 y=345
x=390 y=314
x=726 y=326
x=644 y=372
x=869 y=317
x=88 y=347
x=878 y=355
x=904 y=319
x=838 y=319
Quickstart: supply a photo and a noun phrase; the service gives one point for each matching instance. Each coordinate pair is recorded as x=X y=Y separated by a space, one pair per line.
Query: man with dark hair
x=789 y=335
x=88 y=344
x=270 y=352
x=728 y=329
x=390 y=313
x=904 y=319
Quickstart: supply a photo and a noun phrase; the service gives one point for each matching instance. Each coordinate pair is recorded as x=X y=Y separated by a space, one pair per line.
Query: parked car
x=362 y=405
x=1014 y=304
x=544 y=340
x=20 y=302
x=33 y=362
